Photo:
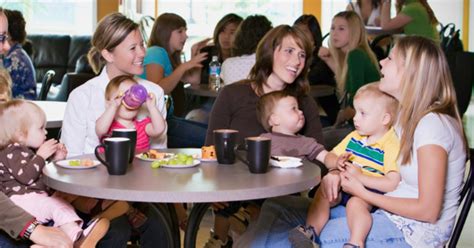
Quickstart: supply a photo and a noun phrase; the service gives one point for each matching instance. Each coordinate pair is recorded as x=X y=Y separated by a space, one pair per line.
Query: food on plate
x=178 y=160
x=154 y=154
x=81 y=162
x=208 y=152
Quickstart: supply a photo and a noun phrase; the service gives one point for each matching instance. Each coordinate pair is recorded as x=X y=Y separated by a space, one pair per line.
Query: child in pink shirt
x=118 y=115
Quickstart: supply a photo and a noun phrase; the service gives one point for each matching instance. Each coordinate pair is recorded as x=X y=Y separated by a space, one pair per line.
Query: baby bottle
x=134 y=97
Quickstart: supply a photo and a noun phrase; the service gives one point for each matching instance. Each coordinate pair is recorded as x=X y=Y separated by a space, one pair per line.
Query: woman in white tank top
x=368 y=10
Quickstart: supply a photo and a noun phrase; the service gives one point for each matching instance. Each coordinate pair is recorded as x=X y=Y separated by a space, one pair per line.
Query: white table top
x=54 y=112
x=207 y=182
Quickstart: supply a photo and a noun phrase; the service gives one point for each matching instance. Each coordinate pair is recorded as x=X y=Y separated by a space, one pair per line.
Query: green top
x=420 y=23
x=360 y=71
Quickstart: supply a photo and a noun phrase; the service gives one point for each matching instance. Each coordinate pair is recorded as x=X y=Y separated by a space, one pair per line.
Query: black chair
x=467 y=196
x=460 y=65
x=46 y=85
x=69 y=83
x=381 y=45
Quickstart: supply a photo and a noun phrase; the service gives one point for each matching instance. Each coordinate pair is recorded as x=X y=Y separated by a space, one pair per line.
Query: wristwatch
x=29 y=230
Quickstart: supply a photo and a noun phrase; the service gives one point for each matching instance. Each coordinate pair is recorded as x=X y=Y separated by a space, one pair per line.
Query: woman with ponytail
x=414 y=17
x=117 y=49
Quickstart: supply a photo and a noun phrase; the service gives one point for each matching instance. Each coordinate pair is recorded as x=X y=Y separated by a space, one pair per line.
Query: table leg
x=162 y=213
x=174 y=224
x=194 y=220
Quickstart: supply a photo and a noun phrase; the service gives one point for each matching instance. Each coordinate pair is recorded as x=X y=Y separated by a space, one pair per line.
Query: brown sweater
x=294 y=145
x=20 y=170
x=235 y=108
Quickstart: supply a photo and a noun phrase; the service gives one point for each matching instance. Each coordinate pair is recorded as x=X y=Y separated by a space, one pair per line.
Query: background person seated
x=17 y=61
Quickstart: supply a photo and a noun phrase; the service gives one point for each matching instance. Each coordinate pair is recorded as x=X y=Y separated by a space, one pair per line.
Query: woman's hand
x=198 y=46
x=351 y=185
x=195 y=62
x=324 y=53
x=330 y=185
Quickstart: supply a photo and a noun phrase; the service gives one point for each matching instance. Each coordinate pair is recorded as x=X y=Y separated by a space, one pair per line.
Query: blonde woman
x=350 y=58
x=421 y=211
x=414 y=17
x=117 y=49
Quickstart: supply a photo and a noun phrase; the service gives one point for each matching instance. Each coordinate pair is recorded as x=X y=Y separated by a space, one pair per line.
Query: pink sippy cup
x=134 y=97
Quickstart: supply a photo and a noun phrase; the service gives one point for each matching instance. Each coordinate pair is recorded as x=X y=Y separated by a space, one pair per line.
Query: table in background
x=207 y=182
x=203 y=90
x=54 y=112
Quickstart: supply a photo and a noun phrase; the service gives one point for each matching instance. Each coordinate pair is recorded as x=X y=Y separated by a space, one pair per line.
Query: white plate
x=181 y=166
x=65 y=164
x=286 y=162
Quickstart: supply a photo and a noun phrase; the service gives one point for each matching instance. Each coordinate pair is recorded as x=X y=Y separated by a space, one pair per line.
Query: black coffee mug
x=224 y=142
x=130 y=133
x=116 y=154
x=258 y=154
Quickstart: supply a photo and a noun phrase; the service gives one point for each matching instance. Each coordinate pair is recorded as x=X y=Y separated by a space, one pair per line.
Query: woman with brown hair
x=164 y=68
x=247 y=36
x=223 y=38
x=281 y=64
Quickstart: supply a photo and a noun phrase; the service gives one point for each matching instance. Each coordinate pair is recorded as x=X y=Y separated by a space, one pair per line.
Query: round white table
x=54 y=112
x=207 y=182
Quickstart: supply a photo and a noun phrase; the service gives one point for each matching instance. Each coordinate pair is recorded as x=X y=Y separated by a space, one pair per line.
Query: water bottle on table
x=214 y=74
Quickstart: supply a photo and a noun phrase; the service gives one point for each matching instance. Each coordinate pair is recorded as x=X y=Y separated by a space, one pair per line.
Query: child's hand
x=47 y=149
x=324 y=53
x=61 y=152
x=150 y=101
x=342 y=161
x=353 y=169
x=117 y=101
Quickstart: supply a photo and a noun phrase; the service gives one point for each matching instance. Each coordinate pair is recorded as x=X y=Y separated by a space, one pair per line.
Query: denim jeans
x=150 y=233
x=185 y=133
x=8 y=242
x=279 y=215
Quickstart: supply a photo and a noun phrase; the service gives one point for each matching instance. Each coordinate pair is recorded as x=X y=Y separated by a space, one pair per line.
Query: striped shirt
x=375 y=159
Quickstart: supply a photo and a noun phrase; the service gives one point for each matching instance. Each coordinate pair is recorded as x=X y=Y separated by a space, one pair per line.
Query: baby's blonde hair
x=16 y=118
x=115 y=83
x=5 y=83
x=389 y=102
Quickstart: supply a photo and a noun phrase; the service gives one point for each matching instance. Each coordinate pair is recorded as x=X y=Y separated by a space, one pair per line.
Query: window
x=202 y=15
x=56 y=16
